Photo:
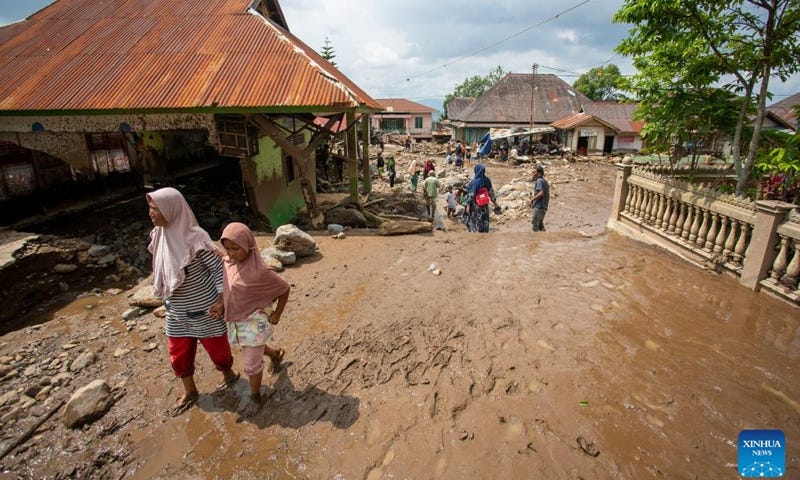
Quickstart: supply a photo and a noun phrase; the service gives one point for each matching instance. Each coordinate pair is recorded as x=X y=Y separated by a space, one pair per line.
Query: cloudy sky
x=422 y=49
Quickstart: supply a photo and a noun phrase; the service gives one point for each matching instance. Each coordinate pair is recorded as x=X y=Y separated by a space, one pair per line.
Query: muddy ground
x=574 y=353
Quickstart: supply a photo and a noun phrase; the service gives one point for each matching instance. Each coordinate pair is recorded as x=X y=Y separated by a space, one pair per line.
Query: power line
x=553 y=17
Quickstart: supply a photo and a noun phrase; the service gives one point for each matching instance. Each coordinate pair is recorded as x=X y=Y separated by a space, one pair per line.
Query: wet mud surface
x=573 y=353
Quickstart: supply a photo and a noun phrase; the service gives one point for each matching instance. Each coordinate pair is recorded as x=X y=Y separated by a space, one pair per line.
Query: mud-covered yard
x=574 y=353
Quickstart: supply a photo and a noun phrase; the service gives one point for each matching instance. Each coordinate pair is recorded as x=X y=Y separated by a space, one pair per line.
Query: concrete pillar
x=761 y=252
x=620 y=189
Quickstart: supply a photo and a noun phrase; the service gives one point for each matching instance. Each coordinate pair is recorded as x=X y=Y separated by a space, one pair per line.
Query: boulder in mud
x=289 y=237
x=286 y=257
x=346 y=216
x=144 y=298
x=87 y=404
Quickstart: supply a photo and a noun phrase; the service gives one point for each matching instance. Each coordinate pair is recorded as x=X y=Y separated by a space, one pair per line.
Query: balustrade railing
x=714 y=225
x=785 y=270
x=758 y=242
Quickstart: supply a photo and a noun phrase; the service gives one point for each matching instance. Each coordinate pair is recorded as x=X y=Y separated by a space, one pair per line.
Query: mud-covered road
x=575 y=353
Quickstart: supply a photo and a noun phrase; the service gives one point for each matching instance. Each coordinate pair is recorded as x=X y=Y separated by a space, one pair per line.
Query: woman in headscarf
x=187 y=275
x=429 y=167
x=251 y=288
x=478 y=215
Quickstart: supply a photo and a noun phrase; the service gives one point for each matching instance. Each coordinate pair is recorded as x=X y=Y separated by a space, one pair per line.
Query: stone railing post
x=761 y=252
x=620 y=189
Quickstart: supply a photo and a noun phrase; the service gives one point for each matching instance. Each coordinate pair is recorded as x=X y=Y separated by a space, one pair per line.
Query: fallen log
x=372 y=219
x=400 y=217
x=402 y=227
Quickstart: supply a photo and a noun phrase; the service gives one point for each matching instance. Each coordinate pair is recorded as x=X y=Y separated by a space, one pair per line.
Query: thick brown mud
x=573 y=353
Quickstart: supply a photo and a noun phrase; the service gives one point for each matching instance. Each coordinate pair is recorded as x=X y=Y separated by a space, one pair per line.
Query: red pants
x=183 y=350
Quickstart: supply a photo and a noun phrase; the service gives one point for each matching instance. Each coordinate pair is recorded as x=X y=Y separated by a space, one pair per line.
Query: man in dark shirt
x=540 y=200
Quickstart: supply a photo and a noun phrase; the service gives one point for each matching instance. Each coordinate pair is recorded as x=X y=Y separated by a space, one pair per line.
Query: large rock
x=87 y=404
x=144 y=298
x=346 y=216
x=273 y=262
x=286 y=257
x=289 y=237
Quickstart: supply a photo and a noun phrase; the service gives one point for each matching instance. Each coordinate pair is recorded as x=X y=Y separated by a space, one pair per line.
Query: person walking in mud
x=251 y=289
x=413 y=171
x=187 y=275
x=390 y=170
x=430 y=188
x=540 y=200
x=479 y=193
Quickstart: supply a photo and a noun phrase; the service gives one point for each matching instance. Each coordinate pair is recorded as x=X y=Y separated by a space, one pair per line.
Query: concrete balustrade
x=758 y=242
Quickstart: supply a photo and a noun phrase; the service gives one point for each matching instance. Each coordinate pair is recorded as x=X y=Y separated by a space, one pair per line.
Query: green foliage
x=681 y=48
x=327 y=51
x=474 y=86
x=601 y=83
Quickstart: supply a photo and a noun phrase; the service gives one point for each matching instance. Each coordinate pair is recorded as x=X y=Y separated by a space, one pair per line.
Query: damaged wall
x=63 y=136
x=268 y=186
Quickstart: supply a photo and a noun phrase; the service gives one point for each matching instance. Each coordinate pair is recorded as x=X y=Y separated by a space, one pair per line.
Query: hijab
x=250 y=285
x=175 y=245
x=480 y=179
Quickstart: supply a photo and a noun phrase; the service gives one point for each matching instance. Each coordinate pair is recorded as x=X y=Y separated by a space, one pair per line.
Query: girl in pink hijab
x=187 y=275
x=250 y=291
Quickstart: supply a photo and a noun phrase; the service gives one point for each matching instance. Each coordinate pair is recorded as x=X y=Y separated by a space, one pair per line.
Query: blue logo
x=762 y=453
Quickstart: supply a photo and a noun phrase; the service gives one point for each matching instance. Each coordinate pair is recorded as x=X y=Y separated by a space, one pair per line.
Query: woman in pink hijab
x=187 y=275
x=251 y=289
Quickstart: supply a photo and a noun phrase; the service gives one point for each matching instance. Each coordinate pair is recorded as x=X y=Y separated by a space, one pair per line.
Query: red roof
x=401 y=105
x=165 y=55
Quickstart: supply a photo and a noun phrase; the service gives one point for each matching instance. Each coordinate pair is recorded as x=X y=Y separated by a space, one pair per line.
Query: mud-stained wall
x=69 y=147
x=63 y=136
x=265 y=177
x=110 y=123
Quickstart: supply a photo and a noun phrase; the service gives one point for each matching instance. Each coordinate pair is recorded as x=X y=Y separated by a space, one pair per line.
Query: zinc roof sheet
x=163 y=54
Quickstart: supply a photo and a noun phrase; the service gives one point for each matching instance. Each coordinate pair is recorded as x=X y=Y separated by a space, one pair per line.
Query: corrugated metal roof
x=620 y=115
x=401 y=105
x=165 y=55
x=786 y=110
x=509 y=101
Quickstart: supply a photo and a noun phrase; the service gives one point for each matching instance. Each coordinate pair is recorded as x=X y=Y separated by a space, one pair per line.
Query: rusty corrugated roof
x=401 y=105
x=83 y=55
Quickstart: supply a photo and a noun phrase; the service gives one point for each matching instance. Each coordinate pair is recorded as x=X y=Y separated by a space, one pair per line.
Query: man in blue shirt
x=540 y=200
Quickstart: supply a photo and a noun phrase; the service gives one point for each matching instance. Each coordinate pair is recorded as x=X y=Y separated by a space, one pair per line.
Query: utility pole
x=533 y=92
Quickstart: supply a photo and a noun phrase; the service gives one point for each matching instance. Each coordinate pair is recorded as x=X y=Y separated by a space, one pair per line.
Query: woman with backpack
x=479 y=194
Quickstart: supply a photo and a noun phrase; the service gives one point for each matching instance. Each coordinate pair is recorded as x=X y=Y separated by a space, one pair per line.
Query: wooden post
x=352 y=161
x=365 y=170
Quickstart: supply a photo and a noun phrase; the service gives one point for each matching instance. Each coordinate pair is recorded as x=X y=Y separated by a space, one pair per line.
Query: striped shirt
x=188 y=306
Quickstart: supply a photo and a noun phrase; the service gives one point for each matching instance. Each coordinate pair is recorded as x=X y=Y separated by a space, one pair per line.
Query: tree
x=474 y=86
x=328 y=52
x=698 y=43
x=601 y=84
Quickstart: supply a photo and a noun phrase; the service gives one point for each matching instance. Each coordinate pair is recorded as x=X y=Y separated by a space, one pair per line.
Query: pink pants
x=253 y=359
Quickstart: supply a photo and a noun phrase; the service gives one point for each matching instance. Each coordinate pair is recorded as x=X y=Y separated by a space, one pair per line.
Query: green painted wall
x=265 y=174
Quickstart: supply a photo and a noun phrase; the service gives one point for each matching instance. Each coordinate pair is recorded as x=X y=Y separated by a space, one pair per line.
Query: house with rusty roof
x=782 y=115
x=518 y=100
x=602 y=128
x=404 y=116
x=137 y=90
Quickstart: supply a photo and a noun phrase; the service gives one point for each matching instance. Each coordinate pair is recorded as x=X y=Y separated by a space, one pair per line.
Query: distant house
x=404 y=116
x=518 y=100
x=123 y=93
x=782 y=115
x=602 y=128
